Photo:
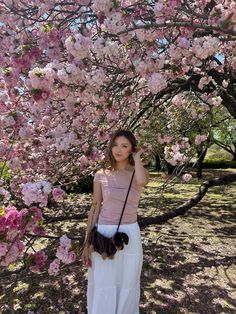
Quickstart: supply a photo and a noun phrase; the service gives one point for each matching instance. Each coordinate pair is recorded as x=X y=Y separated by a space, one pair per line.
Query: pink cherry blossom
x=156 y=83
x=15 y=251
x=2 y=223
x=199 y=139
x=3 y=249
x=204 y=81
x=54 y=267
x=178 y=100
x=13 y=217
x=114 y=24
x=102 y=5
x=39 y=261
x=187 y=177
x=65 y=242
x=5 y=193
x=58 y=194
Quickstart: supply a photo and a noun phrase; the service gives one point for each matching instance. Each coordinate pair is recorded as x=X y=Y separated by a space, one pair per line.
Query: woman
x=114 y=284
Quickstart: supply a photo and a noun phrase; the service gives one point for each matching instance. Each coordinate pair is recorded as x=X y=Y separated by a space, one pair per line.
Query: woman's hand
x=86 y=256
x=137 y=153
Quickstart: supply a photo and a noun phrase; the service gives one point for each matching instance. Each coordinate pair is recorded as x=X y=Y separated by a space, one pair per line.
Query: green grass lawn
x=189 y=262
x=215 y=151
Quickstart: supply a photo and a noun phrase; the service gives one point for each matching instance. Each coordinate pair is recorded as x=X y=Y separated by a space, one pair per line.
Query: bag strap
x=125 y=201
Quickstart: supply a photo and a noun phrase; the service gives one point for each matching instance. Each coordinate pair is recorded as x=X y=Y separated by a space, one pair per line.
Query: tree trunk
x=201 y=156
x=170 y=168
x=234 y=153
x=158 y=162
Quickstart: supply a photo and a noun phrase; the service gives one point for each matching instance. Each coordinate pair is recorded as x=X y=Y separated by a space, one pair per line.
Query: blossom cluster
x=64 y=254
x=37 y=261
x=38 y=192
x=42 y=78
x=13 y=225
x=199 y=139
x=177 y=154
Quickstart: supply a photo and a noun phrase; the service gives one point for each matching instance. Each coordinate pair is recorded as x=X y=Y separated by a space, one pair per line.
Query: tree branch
x=62 y=218
x=219 y=29
x=224 y=146
x=181 y=210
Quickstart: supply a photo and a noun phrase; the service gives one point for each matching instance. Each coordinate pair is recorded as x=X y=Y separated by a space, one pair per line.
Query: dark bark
x=201 y=157
x=234 y=155
x=170 y=168
x=181 y=210
x=48 y=219
x=158 y=162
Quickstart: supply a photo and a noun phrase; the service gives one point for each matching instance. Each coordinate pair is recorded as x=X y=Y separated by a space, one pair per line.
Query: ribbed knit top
x=115 y=186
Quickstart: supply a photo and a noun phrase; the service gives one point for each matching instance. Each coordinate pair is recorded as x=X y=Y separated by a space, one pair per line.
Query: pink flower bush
x=13 y=225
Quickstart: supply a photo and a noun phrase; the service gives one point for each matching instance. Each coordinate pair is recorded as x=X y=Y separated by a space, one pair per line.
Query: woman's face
x=121 y=148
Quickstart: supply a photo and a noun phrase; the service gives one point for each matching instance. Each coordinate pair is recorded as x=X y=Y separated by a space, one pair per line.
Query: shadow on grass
x=182 y=277
x=41 y=293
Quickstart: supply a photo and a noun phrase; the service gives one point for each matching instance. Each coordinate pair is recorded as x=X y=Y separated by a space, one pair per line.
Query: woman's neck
x=122 y=166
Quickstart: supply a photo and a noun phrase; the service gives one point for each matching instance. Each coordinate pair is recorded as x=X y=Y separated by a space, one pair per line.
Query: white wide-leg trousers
x=114 y=285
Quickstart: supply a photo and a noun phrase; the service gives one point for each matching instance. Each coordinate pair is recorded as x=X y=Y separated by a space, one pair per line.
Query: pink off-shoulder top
x=114 y=186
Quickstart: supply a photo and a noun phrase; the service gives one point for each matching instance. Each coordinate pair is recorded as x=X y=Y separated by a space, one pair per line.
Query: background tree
x=225 y=136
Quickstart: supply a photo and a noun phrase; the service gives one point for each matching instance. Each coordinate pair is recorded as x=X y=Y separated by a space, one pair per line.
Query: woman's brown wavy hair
x=130 y=137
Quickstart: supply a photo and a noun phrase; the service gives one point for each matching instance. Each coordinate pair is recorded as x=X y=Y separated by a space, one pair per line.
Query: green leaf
x=2 y=211
x=47 y=28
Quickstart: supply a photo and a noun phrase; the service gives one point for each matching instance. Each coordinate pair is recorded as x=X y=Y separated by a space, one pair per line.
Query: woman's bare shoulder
x=103 y=171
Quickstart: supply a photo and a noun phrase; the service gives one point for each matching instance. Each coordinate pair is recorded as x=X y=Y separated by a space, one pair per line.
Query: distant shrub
x=216 y=163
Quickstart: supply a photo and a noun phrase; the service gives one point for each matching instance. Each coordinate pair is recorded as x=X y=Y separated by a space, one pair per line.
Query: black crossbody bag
x=105 y=246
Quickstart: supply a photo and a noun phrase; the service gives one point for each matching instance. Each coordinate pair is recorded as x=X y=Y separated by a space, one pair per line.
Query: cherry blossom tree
x=73 y=71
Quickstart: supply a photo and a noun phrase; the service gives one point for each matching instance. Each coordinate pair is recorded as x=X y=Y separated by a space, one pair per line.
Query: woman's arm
x=141 y=174
x=92 y=219
x=94 y=209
